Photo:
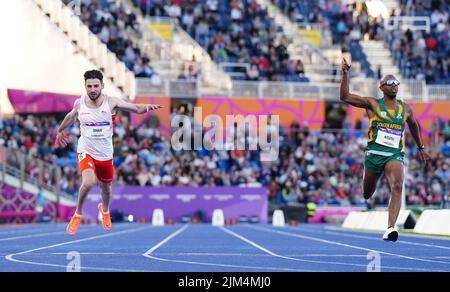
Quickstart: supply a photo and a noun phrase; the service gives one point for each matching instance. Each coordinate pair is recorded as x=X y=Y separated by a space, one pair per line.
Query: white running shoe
x=391 y=234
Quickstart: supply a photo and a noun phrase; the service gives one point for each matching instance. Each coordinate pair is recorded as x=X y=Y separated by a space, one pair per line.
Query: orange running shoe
x=73 y=224
x=106 y=218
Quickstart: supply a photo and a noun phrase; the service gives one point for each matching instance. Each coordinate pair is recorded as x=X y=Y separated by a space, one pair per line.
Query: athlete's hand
x=424 y=156
x=152 y=107
x=62 y=139
x=345 y=65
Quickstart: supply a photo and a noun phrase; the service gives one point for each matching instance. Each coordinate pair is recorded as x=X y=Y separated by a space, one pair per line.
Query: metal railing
x=181 y=47
x=438 y=92
x=232 y=69
x=408 y=22
x=89 y=44
x=409 y=90
x=32 y=170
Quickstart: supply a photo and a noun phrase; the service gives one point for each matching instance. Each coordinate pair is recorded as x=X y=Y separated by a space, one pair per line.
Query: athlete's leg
x=104 y=207
x=105 y=174
x=88 y=180
x=394 y=174
x=370 y=183
x=106 y=195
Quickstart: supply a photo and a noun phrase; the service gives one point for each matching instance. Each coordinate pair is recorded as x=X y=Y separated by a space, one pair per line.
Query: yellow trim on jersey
x=403 y=142
x=400 y=109
x=392 y=113
x=381 y=116
x=370 y=137
x=404 y=118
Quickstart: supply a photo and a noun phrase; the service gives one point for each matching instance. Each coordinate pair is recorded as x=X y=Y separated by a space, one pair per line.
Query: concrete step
x=373 y=44
x=388 y=70
x=391 y=4
x=390 y=7
x=377 y=53
x=385 y=62
x=374 y=48
x=385 y=68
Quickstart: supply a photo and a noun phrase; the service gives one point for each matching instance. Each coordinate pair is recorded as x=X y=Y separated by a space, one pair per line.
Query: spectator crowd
x=325 y=166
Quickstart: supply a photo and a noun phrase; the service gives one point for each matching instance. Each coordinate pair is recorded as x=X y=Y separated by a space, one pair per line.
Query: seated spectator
x=314 y=166
x=232 y=32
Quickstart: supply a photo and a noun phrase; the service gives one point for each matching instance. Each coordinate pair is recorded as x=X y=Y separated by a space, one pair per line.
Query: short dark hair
x=93 y=74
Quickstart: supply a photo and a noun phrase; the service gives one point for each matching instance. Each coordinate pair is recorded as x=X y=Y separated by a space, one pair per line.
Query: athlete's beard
x=95 y=97
x=392 y=96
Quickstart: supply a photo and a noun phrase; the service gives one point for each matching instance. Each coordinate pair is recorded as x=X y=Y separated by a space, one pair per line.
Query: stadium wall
x=179 y=202
x=310 y=112
x=305 y=111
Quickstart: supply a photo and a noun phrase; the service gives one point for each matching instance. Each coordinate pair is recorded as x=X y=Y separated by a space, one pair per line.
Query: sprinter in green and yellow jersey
x=386 y=142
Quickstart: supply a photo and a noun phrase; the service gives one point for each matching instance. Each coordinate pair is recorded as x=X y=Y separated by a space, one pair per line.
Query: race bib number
x=81 y=156
x=98 y=130
x=388 y=137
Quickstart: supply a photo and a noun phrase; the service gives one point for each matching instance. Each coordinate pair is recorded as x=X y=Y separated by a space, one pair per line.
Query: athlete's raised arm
x=350 y=98
x=121 y=104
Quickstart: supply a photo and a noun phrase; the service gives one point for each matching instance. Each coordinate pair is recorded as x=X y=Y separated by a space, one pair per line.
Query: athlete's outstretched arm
x=346 y=96
x=122 y=104
x=62 y=138
x=415 y=132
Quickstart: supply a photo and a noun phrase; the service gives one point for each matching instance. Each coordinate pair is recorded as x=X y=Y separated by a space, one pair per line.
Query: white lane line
x=253 y=243
x=39 y=235
x=83 y=230
x=30 y=230
x=87 y=268
x=253 y=254
x=342 y=244
x=376 y=239
x=48 y=227
x=148 y=254
x=312 y=261
x=165 y=240
x=61 y=231
x=442 y=238
x=215 y=254
x=207 y=254
x=256 y=268
x=95 y=253
x=10 y=257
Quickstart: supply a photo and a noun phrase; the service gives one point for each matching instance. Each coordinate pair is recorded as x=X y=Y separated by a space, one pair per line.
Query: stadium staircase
x=169 y=52
x=377 y=54
x=318 y=65
x=376 y=51
x=89 y=45
x=391 y=5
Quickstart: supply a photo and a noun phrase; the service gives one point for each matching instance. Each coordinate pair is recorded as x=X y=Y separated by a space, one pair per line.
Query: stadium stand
x=320 y=166
x=114 y=26
x=422 y=54
x=238 y=32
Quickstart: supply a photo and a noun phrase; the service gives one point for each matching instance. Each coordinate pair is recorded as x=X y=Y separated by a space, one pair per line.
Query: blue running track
x=205 y=248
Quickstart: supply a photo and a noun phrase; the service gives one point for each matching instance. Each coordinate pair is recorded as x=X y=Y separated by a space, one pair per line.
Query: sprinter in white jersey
x=95 y=148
